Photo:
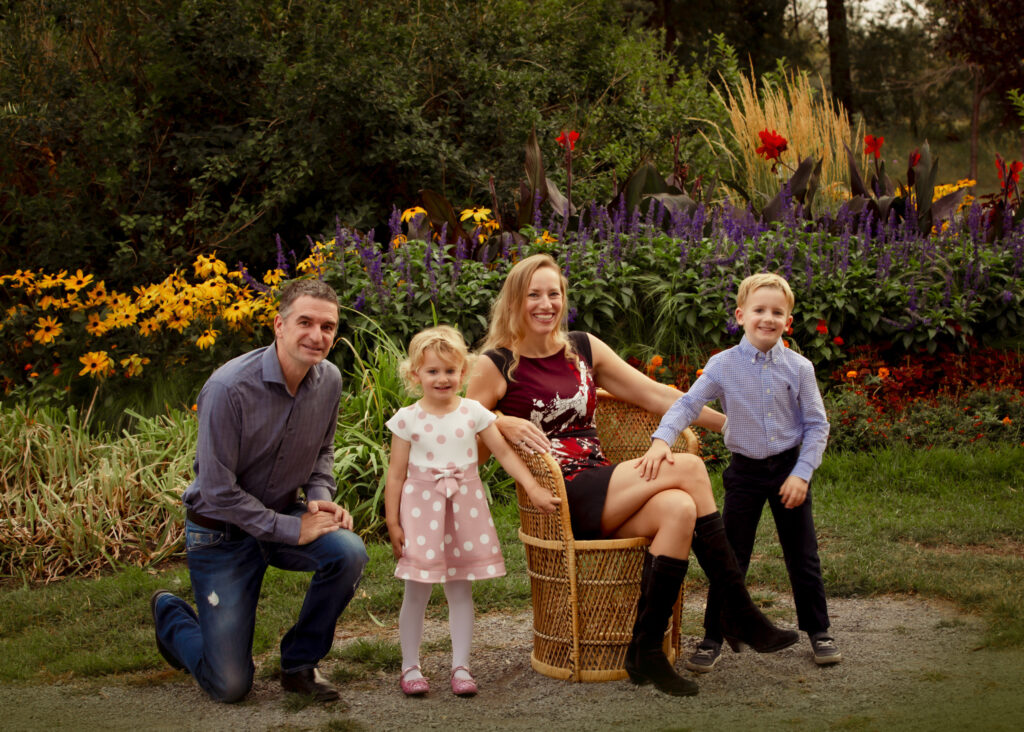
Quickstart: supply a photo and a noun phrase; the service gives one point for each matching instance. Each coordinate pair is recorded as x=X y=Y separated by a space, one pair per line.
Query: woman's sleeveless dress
x=559 y=396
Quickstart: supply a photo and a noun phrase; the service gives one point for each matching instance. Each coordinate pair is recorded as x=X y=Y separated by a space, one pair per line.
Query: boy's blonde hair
x=764 y=279
x=443 y=340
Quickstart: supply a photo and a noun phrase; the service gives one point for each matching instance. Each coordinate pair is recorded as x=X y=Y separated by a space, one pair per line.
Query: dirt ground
x=908 y=664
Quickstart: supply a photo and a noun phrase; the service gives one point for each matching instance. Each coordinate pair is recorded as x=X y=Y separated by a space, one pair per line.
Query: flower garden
x=908 y=301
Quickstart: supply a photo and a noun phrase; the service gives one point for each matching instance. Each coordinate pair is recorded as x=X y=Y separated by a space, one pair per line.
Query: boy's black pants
x=748 y=484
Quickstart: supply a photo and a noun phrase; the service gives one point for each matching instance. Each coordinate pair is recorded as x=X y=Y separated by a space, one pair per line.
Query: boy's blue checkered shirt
x=771 y=400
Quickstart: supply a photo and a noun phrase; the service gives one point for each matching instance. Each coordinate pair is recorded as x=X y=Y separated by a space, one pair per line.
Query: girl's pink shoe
x=413 y=687
x=463 y=687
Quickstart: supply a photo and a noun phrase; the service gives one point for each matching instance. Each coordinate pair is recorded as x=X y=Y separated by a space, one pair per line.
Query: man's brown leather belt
x=230 y=530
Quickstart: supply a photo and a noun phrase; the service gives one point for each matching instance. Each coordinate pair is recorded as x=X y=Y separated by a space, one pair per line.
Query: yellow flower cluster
x=57 y=316
x=947 y=188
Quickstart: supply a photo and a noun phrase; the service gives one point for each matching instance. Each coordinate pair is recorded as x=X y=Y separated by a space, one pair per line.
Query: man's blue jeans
x=226 y=574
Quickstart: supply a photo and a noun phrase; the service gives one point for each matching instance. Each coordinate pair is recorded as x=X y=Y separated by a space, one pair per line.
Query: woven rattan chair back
x=585 y=592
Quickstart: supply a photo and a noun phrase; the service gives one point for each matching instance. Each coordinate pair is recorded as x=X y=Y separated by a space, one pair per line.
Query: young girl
x=437 y=515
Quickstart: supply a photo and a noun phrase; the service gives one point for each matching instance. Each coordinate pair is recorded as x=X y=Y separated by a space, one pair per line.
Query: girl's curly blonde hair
x=443 y=340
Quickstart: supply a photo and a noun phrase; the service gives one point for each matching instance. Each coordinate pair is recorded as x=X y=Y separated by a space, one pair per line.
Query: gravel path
x=908 y=664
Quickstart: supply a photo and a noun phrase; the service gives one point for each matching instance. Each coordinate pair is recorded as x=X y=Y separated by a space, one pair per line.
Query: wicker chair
x=585 y=592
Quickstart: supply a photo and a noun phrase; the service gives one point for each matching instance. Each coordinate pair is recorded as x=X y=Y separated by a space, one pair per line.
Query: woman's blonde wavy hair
x=507 y=328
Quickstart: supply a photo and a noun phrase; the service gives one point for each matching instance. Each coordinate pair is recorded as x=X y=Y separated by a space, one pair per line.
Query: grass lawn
x=942 y=524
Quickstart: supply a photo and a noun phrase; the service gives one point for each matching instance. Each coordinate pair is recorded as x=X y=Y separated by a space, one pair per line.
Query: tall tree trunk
x=839 y=53
x=980 y=92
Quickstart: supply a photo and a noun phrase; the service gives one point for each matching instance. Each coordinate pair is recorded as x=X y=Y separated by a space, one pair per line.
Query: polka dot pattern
x=443 y=456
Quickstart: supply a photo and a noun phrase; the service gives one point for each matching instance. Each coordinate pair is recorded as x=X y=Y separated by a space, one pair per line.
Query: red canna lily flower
x=873 y=145
x=772 y=144
x=568 y=138
x=1008 y=174
x=822 y=327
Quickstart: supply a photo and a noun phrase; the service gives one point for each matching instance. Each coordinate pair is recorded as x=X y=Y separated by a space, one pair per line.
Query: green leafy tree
x=987 y=36
x=137 y=133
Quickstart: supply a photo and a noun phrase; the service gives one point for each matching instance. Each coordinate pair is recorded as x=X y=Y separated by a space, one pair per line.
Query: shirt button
x=767 y=391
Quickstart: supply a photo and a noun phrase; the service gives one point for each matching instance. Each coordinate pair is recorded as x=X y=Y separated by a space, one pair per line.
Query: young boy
x=776 y=430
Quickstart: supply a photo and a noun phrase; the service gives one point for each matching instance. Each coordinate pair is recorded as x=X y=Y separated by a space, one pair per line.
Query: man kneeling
x=266 y=432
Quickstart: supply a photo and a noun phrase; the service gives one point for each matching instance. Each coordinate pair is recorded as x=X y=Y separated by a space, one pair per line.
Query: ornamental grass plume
x=810 y=124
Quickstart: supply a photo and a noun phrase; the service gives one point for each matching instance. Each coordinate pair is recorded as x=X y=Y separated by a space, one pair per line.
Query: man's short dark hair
x=299 y=288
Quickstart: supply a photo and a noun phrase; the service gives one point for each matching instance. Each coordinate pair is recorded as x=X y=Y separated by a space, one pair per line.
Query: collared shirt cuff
x=318 y=493
x=288 y=528
x=803 y=470
x=665 y=433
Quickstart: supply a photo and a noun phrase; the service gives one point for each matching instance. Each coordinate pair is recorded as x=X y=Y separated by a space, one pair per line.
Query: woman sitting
x=544 y=379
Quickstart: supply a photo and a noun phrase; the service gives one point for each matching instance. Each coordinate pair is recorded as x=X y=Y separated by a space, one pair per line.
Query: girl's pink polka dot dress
x=449 y=532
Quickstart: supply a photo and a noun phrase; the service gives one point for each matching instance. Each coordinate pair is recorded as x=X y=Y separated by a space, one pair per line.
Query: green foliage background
x=136 y=133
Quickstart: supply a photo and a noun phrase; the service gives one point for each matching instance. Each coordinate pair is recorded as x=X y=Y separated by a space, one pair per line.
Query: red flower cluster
x=1008 y=174
x=772 y=144
x=822 y=327
x=873 y=146
x=568 y=138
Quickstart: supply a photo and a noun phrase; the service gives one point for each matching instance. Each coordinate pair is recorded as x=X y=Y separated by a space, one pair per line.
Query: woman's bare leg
x=667 y=519
x=628 y=492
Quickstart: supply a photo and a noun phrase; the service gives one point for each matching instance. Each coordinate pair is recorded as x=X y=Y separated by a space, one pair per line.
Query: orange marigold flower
x=883 y=373
x=700 y=371
x=1007 y=421
x=851 y=374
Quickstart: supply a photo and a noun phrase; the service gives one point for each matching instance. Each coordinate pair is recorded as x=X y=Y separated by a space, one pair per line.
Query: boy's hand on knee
x=793 y=491
x=650 y=463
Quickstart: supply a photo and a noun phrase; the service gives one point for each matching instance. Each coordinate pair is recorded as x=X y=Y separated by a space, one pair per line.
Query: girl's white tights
x=460 y=622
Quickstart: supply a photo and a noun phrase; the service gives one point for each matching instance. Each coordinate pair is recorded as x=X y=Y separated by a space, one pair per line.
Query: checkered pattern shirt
x=771 y=400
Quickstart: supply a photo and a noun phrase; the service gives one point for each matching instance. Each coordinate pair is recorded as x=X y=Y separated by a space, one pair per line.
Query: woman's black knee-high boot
x=645 y=660
x=742 y=622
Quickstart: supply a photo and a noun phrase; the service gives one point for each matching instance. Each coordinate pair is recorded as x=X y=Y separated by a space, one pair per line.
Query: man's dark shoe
x=705 y=657
x=825 y=650
x=168 y=656
x=310 y=682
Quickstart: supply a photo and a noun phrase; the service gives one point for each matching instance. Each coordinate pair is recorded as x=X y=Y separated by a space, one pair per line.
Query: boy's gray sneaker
x=825 y=650
x=705 y=657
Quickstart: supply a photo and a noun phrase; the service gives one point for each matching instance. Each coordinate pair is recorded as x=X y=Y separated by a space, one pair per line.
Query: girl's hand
x=397 y=536
x=524 y=433
x=650 y=463
x=545 y=501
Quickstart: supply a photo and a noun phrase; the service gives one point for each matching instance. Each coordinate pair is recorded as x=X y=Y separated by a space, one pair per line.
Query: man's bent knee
x=232 y=686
